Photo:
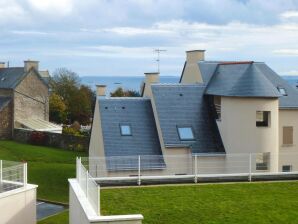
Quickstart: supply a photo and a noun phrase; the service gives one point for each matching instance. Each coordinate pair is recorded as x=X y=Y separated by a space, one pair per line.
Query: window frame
x=290 y=168
x=266 y=119
x=186 y=139
x=262 y=162
x=283 y=89
x=130 y=130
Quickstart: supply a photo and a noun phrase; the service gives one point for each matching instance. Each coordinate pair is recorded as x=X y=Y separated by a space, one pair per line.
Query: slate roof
x=240 y=80
x=288 y=101
x=4 y=101
x=185 y=105
x=10 y=77
x=136 y=112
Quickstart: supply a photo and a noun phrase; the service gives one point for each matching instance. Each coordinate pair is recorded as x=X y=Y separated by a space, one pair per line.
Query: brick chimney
x=195 y=56
x=2 y=64
x=30 y=64
x=101 y=90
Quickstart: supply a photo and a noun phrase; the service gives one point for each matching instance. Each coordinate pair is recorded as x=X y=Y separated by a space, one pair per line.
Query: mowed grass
x=49 y=168
x=213 y=203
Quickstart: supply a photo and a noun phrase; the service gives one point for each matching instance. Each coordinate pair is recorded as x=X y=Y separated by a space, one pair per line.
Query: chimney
x=30 y=64
x=101 y=90
x=195 y=56
x=152 y=77
x=2 y=64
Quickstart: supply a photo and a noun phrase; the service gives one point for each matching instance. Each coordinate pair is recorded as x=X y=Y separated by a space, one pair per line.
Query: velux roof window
x=282 y=91
x=125 y=130
x=185 y=133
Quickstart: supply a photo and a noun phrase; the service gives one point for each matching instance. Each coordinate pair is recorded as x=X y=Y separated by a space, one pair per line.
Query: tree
x=78 y=99
x=57 y=109
x=120 y=92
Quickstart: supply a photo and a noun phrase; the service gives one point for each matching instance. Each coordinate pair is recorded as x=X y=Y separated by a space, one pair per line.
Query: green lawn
x=217 y=203
x=49 y=168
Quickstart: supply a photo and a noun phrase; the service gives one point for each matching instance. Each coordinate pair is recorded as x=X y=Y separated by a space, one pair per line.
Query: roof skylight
x=282 y=91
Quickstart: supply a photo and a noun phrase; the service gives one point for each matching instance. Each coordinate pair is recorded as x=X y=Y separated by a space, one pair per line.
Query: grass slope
x=49 y=168
x=261 y=203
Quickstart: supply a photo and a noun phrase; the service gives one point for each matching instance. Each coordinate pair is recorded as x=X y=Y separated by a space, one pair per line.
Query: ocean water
x=134 y=82
x=126 y=82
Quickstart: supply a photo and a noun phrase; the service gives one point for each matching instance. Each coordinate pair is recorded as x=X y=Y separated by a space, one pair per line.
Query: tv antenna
x=158 y=51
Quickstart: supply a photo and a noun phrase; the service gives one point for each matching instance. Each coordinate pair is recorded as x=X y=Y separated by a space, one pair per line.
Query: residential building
x=24 y=98
x=218 y=109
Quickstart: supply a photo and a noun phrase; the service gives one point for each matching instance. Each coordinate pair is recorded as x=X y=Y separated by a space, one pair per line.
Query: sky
x=118 y=37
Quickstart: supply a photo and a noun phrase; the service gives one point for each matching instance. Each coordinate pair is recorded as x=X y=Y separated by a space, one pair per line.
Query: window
x=287 y=135
x=125 y=130
x=185 y=133
x=262 y=118
x=262 y=161
x=287 y=168
x=282 y=91
x=217 y=105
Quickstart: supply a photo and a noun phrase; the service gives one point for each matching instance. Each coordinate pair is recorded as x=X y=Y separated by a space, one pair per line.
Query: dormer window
x=282 y=91
x=185 y=133
x=125 y=130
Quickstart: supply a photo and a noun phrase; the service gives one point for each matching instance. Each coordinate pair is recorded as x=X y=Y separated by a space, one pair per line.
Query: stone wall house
x=24 y=94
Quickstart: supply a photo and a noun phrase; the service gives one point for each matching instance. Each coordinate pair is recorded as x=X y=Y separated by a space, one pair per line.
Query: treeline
x=70 y=100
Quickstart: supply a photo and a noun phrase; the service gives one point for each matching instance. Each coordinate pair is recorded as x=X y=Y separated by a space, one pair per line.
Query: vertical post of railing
x=139 y=170
x=1 y=171
x=25 y=174
x=196 y=168
x=87 y=180
x=79 y=169
x=98 y=200
x=249 y=167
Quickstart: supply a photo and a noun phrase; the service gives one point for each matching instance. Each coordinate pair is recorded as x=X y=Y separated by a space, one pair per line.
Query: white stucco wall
x=289 y=153
x=238 y=127
x=18 y=206
x=80 y=211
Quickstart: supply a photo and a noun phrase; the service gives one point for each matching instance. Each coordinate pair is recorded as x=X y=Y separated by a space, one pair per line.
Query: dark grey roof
x=137 y=112
x=4 y=101
x=241 y=80
x=288 y=101
x=207 y=69
x=185 y=105
x=10 y=77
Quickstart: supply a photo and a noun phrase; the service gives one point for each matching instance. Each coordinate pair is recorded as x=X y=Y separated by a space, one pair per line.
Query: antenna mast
x=158 y=51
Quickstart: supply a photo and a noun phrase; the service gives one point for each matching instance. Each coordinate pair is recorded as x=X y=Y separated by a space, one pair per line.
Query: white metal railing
x=88 y=185
x=195 y=166
x=12 y=175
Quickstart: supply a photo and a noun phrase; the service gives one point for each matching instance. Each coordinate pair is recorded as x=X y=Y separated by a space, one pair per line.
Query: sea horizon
x=134 y=82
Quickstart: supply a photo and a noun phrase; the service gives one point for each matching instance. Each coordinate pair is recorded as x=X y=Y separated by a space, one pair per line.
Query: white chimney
x=2 y=64
x=101 y=90
x=195 y=56
x=191 y=72
x=30 y=64
x=152 y=77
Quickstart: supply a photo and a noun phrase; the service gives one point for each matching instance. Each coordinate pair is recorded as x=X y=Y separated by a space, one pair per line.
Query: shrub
x=70 y=131
x=38 y=138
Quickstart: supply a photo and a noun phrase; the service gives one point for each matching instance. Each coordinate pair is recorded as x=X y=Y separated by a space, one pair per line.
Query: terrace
x=17 y=197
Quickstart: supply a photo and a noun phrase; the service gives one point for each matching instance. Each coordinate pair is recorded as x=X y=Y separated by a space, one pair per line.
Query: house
x=24 y=98
x=227 y=114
